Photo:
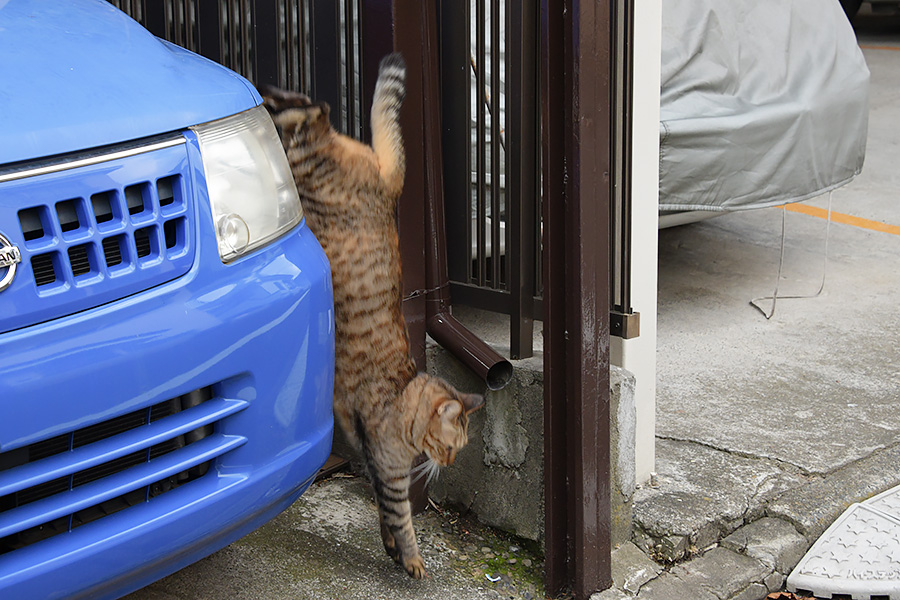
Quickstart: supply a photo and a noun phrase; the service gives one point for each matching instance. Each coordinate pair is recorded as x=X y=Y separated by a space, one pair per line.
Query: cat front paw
x=415 y=566
x=390 y=544
x=393 y=551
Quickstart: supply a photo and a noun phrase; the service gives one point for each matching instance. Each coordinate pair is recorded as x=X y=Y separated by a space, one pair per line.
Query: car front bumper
x=254 y=336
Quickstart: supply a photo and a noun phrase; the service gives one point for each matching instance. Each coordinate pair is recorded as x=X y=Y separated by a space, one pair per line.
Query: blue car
x=166 y=317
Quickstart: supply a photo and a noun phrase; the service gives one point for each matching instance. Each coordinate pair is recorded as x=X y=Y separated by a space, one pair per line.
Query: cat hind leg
x=395 y=516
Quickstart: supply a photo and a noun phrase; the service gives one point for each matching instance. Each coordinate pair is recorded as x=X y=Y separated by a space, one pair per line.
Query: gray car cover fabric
x=763 y=102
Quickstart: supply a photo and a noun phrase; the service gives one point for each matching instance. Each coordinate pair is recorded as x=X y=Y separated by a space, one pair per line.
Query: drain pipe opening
x=495 y=370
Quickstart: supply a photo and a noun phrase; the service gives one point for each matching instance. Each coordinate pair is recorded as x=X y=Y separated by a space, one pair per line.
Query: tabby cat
x=349 y=193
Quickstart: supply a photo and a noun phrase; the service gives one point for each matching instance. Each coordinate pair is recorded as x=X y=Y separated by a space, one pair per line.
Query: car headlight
x=251 y=190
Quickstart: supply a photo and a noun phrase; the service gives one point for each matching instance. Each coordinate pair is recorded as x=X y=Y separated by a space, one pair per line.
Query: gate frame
x=577 y=144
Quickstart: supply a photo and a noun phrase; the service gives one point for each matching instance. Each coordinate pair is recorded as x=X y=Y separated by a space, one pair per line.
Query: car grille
x=53 y=486
x=110 y=226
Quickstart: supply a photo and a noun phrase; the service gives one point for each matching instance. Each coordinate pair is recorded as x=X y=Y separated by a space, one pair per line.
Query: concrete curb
x=755 y=558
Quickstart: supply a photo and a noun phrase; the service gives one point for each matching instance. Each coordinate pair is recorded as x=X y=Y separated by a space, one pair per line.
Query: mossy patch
x=510 y=565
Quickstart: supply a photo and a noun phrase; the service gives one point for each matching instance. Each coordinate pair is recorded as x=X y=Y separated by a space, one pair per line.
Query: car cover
x=763 y=102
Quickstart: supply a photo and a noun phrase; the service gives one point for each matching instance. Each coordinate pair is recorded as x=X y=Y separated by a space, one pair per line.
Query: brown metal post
x=576 y=68
x=407 y=16
x=521 y=187
x=556 y=551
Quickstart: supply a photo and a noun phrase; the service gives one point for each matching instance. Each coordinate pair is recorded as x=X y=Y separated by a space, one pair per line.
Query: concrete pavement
x=768 y=429
x=327 y=546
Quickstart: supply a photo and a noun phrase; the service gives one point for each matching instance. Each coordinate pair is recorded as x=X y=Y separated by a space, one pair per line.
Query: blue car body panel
x=82 y=74
x=275 y=356
x=157 y=404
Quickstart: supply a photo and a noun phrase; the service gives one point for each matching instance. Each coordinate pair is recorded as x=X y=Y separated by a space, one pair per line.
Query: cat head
x=294 y=114
x=447 y=412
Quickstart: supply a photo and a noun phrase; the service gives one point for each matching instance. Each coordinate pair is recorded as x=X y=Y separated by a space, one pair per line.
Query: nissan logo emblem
x=9 y=258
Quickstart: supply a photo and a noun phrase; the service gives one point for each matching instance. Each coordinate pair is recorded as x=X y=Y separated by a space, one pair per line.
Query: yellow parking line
x=837 y=217
x=868 y=47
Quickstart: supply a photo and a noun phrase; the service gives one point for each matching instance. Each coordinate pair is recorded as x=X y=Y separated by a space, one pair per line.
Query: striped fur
x=349 y=193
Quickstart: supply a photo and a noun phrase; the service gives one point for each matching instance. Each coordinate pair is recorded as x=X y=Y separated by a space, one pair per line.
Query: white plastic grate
x=857 y=557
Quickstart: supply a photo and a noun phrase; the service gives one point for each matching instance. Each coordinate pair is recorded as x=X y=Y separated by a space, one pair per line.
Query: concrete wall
x=500 y=474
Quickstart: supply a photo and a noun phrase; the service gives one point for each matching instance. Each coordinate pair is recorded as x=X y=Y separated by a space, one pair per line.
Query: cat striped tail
x=387 y=140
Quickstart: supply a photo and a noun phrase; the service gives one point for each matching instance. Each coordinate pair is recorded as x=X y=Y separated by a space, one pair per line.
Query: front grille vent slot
x=80 y=260
x=44 y=273
x=47 y=488
x=112 y=251
x=142 y=242
x=32 y=227
x=67 y=213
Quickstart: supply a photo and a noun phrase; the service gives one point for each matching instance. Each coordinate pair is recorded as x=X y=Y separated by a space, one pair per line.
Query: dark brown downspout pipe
x=495 y=370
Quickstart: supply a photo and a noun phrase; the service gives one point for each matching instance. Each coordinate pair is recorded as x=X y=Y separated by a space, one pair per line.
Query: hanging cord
x=487 y=101
x=774 y=297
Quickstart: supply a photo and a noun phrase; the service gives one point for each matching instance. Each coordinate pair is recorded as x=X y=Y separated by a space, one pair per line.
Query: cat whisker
x=433 y=472
x=423 y=469
x=420 y=467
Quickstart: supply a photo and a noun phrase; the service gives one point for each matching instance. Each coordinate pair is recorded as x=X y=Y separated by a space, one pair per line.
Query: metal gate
x=536 y=175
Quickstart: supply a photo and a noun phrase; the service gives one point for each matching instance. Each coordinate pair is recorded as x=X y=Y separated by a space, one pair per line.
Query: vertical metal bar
x=339 y=108
x=268 y=55
x=496 y=119
x=624 y=322
x=376 y=29
x=616 y=204
x=294 y=45
x=347 y=51
x=624 y=23
x=325 y=59
x=556 y=550
x=587 y=309
x=192 y=42
x=339 y=113
x=155 y=18
x=351 y=85
x=577 y=301
x=248 y=50
x=456 y=84
x=522 y=148
x=173 y=18
x=232 y=50
x=208 y=31
x=358 y=74
x=221 y=30
x=307 y=41
x=408 y=40
x=626 y=118
x=480 y=210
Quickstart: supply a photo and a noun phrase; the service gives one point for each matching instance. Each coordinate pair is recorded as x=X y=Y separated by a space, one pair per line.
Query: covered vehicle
x=166 y=317
x=762 y=103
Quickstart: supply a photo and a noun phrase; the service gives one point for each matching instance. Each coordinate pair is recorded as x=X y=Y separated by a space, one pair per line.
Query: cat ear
x=449 y=409
x=276 y=99
x=472 y=402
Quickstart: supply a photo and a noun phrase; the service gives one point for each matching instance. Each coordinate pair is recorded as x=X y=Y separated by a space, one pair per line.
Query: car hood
x=81 y=74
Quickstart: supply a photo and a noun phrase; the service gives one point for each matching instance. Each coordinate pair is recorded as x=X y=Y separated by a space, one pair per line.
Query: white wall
x=638 y=355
